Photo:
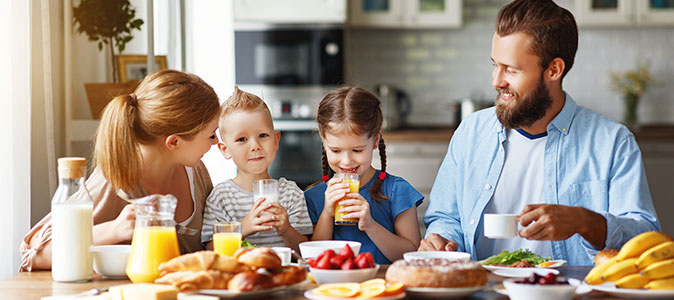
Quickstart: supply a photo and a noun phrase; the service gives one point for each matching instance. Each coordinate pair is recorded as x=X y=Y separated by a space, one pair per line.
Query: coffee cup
x=283 y=253
x=500 y=226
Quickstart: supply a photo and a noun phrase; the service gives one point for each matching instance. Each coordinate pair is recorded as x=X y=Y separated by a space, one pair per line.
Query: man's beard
x=526 y=110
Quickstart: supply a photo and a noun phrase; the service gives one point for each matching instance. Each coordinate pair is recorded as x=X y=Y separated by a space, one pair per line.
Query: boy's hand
x=255 y=221
x=336 y=191
x=280 y=218
x=356 y=207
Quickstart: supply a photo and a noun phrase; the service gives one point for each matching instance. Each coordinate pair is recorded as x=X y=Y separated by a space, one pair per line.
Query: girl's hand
x=336 y=191
x=255 y=221
x=280 y=222
x=357 y=208
x=124 y=224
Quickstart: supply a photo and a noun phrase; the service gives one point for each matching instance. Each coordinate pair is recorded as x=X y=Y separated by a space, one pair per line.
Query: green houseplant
x=632 y=84
x=109 y=23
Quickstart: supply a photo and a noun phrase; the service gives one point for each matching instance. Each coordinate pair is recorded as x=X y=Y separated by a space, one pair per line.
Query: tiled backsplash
x=438 y=67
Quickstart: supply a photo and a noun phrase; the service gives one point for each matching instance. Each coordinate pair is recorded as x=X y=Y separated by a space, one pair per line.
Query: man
x=575 y=177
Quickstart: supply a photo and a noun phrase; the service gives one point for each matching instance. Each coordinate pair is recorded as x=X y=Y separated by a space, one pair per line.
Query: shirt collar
x=562 y=121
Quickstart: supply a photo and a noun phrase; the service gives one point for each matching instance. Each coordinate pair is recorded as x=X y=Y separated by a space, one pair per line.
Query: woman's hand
x=255 y=221
x=124 y=224
x=335 y=191
x=357 y=208
x=280 y=222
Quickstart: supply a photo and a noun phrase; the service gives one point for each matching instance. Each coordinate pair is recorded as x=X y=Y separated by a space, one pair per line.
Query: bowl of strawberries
x=345 y=266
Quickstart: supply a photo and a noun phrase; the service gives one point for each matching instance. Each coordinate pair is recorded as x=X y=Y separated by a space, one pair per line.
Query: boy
x=248 y=137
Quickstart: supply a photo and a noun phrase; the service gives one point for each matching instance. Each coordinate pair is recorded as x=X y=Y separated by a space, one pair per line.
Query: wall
x=438 y=67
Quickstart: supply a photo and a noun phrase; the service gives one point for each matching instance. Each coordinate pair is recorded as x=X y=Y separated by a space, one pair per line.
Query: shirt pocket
x=592 y=195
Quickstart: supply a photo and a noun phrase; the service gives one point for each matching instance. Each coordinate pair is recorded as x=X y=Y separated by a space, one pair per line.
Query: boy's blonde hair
x=238 y=101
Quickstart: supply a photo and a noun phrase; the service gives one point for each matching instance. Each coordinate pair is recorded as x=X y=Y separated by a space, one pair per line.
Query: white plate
x=557 y=263
x=446 y=293
x=581 y=288
x=612 y=290
x=310 y=294
x=523 y=272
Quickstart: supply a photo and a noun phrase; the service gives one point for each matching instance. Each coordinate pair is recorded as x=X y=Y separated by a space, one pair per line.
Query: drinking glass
x=267 y=188
x=226 y=238
x=354 y=185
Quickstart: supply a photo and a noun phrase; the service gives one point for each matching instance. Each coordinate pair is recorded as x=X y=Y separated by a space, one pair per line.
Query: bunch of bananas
x=645 y=261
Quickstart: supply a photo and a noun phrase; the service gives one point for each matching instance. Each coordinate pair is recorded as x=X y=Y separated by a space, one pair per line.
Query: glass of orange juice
x=226 y=237
x=354 y=184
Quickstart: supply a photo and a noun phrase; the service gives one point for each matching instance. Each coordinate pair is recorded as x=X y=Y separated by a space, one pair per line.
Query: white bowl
x=110 y=260
x=524 y=291
x=449 y=255
x=333 y=276
x=314 y=248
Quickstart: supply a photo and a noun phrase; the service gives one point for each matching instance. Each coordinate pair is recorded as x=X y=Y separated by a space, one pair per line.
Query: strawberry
x=324 y=263
x=348 y=264
x=329 y=253
x=312 y=262
x=364 y=260
x=346 y=252
x=336 y=262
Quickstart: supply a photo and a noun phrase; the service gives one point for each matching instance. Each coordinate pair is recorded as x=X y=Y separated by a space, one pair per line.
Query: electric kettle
x=396 y=106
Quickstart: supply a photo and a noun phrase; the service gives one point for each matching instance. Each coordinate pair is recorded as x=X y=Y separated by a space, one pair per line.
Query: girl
x=349 y=123
x=148 y=142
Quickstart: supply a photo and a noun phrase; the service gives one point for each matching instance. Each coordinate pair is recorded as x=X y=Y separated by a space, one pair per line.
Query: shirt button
x=472 y=221
x=487 y=187
x=563 y=129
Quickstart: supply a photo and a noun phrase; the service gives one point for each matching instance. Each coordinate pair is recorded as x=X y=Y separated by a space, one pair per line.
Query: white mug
x=283 y=253
x=500 y=226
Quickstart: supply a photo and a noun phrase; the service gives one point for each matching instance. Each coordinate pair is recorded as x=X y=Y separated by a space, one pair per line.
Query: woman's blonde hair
x=166 y=102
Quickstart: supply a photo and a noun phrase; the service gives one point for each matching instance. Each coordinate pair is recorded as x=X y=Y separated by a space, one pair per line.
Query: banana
x=620 y=270
x=659 y=270
x=661 y=284
x=655 y=254
x=640 y=243
x=594 y=276
x=633 y=281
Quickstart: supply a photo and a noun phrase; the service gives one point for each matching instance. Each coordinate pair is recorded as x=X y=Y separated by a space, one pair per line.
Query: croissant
x=260 y=257
x=201 y=261
x=196 y=280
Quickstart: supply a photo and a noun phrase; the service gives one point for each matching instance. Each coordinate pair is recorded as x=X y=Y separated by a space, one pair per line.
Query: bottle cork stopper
x=72 y=167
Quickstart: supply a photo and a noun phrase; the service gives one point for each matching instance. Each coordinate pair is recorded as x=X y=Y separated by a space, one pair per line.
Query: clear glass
x=375 y=6
x=354 y=185
x=154 y=237
x=431 y=5
x=266 y=188
x=72 y=223
x=226 y=238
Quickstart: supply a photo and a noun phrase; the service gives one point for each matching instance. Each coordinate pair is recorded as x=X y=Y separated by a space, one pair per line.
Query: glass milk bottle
x=71 y=216
x=154 y=237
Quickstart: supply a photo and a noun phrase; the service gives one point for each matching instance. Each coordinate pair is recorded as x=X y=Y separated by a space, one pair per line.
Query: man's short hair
x=552 y=28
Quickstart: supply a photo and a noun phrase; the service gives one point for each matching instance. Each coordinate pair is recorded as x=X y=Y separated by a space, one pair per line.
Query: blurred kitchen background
x=429 y=60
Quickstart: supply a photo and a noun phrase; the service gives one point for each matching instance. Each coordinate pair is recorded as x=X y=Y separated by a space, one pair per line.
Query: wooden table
x=35 y=285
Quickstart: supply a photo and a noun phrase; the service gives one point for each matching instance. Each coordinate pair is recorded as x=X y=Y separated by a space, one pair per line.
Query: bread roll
x=249 y=281
x=196 y=280
x=260 y=257
x=289 y=275
x=604 y=255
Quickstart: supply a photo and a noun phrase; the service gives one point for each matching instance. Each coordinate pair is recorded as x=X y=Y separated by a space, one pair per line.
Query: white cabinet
x=624 y=12
x=290 y=11
x=405 y=13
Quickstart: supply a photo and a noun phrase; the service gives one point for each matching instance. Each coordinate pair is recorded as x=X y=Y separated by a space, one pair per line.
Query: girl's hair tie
x=382 y=175
x=324 y=178
x=134 y=99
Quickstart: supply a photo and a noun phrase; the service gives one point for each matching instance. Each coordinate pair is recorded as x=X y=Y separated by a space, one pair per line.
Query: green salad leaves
x=508 y=258
x=246 y=244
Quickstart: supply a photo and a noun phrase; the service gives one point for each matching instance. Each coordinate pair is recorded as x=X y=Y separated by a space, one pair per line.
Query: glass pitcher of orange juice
x=154 y=237
x=354 y=185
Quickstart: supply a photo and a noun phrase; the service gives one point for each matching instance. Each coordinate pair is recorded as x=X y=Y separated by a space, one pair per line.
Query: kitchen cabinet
x=405 y=13
x=624 y=12
x=417 y=162
x=290 y=11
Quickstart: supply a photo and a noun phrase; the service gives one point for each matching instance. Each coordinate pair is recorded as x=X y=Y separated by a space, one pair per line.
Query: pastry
x=249 y=281
x=260 y=257
x=196 y=280
x=437 y=272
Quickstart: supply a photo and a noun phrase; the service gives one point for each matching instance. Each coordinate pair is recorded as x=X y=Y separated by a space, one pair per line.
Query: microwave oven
x=289 y=56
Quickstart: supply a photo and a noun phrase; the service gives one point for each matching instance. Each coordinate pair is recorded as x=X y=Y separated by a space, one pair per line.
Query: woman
x=148 y=142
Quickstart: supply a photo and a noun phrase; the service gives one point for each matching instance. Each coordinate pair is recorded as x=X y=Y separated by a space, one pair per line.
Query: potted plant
x=632 y=84
x=110 y=24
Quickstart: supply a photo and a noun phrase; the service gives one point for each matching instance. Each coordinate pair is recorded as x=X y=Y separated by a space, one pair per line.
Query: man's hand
x=435 y=242
x=549 y=222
